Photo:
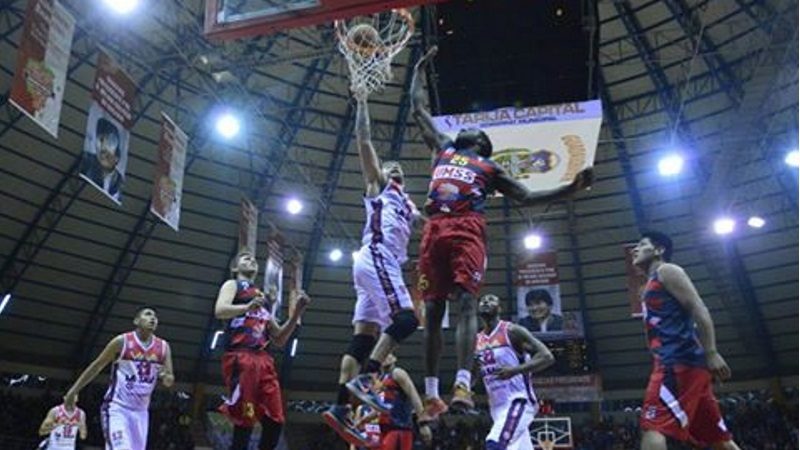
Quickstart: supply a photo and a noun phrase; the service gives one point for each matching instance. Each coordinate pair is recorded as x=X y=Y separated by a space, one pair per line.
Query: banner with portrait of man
x=168 y=178
x=635 y=280
x=42 y=63
x=544 y=147
x=539 y=299
x=110 y=118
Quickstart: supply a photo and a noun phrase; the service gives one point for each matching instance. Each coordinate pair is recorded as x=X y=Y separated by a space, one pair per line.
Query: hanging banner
x=168 y=178
x=273 y=271
x=635 y=281
x=248 y=226
x=539 y=299
x=544 y=147
x=42 y=62
x=110 y=119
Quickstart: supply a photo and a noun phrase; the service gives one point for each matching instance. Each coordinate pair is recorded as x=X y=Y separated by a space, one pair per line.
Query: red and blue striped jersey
x=250 y=329
x=399 y=417
x=460 y=183
x=670 y=329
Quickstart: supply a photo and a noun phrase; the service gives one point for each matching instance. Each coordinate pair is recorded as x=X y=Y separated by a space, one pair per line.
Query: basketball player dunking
x=679 y=401
x=62 y=425
x=383 y=303
x=507 y=355
x=254 y=394
x=142 y=359
x=453 y=250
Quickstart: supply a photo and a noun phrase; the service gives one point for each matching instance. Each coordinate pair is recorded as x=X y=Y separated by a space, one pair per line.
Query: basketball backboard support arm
x=267 y=17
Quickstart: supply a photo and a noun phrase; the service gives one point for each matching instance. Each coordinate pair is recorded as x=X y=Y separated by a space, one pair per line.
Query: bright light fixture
x=6 y=299
x=228 y=125
x=793 y=158
x=670 y=165
x=724 y=225
x=533 y=241
x=294 y=206
x=294 y=348
x=122 y=6
x=756 y=222
x=215 y=339
x=335 y=255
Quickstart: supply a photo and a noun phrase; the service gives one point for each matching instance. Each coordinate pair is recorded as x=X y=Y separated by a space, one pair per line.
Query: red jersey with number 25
x=460 y=183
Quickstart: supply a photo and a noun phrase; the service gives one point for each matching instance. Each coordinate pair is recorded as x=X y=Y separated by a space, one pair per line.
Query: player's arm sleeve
x=678 y=283
x=48 y=423
x=524 y=341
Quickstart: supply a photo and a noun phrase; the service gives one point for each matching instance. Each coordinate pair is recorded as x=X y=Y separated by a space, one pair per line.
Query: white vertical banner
x=544 y=147
x=42 y=62
x=273 y=271
x=168 y=178
x=248 y=226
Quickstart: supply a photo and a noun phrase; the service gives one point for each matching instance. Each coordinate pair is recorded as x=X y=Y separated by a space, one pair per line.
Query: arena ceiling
x=718 y=78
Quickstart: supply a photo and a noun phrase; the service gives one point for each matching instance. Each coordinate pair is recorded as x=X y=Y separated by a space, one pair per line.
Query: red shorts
x=679 y=403
x=253 y=389
x=452 y=253
x=397 y=440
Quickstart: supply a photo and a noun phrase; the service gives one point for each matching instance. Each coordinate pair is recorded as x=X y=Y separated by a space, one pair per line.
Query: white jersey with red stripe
x=67 y=427
x=493 y=351
x=390 y=216
x=135 y=373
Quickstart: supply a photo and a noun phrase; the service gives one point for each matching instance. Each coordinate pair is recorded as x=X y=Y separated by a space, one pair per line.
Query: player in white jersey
x=140 y=359
x=507 y=354
x=62 y=425
x=383 y=304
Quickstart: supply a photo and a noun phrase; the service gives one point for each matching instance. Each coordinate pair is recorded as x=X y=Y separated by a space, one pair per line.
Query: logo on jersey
x=454 y=173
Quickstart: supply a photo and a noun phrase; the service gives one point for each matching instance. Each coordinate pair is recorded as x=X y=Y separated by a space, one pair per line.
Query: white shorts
x=380 y=289
x=511 y=427
x=123 y=428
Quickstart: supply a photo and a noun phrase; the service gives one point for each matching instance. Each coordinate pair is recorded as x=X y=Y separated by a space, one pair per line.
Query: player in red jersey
x=453 y=250
x=254 y=394
x=679 y=401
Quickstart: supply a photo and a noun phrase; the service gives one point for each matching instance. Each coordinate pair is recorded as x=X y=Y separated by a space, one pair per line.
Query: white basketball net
x=371 y=68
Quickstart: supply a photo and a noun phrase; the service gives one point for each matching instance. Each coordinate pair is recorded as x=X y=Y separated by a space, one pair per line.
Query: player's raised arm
x=83 y=430
x=280 y=333
x=105 y=357
x=435 y=140
x=370 y=163
x=48 y=423
x=517 y=191
x=679 y=284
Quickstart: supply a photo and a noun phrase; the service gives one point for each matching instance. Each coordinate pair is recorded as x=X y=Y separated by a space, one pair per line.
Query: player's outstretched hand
x=427 y=57
x=256 y=302
x=584 y=180
x=167 y=378
x=425 y=434
x=718 y=367
x=299 y=302
x=506 y=372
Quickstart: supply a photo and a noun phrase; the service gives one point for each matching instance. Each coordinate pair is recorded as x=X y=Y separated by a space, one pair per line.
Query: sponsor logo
x=454 y=173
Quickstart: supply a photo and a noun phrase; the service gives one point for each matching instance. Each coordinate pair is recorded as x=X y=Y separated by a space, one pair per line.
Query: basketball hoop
x=369 y=43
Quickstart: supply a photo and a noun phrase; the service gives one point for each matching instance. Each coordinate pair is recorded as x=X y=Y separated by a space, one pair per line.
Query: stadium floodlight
x=756 y=222
x=122 y=6
x=294 y=348
x=792 y=158
x=228 y=125
x=294 y=206
x=724 y=225
x=533 y=241
x=215 y=339
x=4 y=303
x=335 y=255
x=670 y=165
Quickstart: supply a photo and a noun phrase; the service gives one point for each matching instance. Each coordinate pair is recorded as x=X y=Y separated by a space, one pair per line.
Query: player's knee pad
x=360 y=346
x=403 y=324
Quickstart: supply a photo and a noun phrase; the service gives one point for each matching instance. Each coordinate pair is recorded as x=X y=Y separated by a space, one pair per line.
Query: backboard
x=555 y=431
x=235 y=19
